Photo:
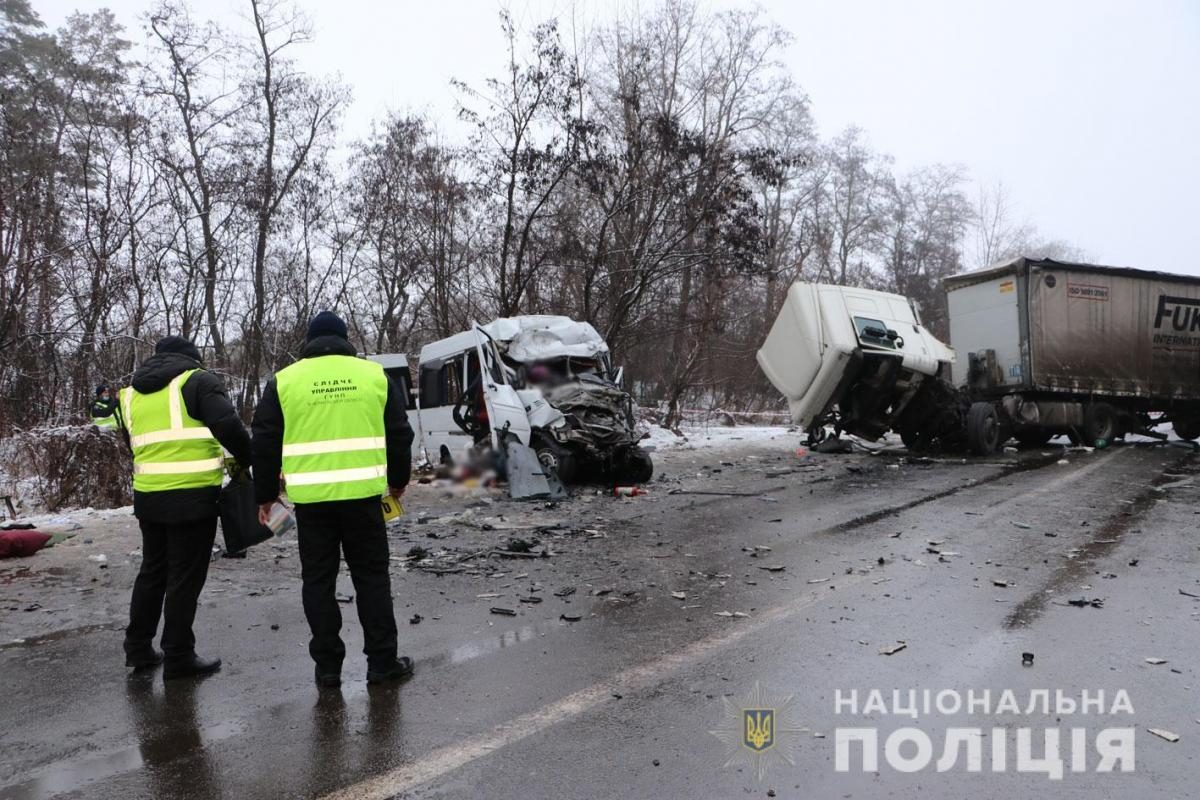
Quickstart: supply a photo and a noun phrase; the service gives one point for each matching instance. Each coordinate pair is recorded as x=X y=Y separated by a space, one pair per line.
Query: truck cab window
x=873 y=332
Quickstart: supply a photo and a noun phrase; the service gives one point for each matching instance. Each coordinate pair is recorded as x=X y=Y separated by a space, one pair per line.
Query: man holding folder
x=335 y=426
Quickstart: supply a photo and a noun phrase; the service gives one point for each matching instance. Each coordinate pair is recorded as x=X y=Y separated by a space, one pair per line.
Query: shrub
x=67 y=467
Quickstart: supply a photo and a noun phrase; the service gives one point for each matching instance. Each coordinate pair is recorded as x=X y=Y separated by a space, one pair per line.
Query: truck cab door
x=504 y=406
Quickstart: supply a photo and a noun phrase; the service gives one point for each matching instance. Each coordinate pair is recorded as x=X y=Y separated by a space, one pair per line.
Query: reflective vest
x=171 y=450
x=333 y=432
x=105 y=422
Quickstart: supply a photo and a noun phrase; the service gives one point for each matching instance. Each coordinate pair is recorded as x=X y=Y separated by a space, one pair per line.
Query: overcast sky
x=1088 y=111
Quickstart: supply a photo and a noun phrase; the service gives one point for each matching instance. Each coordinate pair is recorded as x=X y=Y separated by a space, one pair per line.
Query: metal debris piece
x=504 y=612
x=1027 y=659
x=1165 y=734
x=1156 y=661
x=892 y=649
x=570 y=617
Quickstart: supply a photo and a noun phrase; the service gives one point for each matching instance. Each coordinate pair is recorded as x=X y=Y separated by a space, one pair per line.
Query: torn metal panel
x=526 y=479
x=538 y=337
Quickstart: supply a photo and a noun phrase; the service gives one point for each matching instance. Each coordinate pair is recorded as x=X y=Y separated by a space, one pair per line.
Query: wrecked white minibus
x=545 y=380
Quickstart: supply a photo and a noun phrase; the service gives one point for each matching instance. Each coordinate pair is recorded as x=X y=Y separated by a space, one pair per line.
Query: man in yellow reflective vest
x=177 y=417
x=103 y=409
x=335 y=427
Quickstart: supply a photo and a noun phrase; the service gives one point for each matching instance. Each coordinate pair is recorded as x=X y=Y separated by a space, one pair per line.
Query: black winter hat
x=101 y=389
x=327 y=323
x=177 y=344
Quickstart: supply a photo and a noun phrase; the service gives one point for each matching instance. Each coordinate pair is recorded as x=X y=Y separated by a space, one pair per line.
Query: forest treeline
x=660 y=177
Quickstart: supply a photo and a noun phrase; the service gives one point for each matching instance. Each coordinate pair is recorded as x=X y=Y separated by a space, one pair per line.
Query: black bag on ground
x=239 y=516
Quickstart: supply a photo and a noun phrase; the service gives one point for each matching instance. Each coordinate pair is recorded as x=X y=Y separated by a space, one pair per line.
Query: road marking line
x=449 y=758
x=446 y=759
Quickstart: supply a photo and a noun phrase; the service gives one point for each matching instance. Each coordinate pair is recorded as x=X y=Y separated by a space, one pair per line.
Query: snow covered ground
x=717 y=436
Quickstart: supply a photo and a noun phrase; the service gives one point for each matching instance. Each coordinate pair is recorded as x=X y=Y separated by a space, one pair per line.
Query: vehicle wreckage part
x=527 y=480
x=983 y=428
x=1188 y=429
x=555 y=458
x=1100 y=422
x=636 y=466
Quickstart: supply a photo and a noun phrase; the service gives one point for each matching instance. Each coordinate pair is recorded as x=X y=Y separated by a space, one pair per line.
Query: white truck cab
x=858 y=359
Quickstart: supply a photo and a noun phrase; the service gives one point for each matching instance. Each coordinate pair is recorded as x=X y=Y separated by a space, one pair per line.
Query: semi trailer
x=1044 y=348
x=1049 y=348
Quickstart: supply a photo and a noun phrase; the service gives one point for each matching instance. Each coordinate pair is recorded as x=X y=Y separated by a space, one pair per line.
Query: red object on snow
x=14 y=544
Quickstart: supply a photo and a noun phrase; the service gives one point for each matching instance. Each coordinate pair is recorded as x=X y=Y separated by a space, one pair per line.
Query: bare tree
x=528 y=138
x=290 y=116
x=196 y=149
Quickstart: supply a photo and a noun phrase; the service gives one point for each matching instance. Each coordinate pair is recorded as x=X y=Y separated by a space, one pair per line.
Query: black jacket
x=268 y=428
x=102 y=408
x=204 y=399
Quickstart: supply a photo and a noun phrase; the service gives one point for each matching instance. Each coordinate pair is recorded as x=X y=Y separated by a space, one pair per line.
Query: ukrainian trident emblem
x=758 y=729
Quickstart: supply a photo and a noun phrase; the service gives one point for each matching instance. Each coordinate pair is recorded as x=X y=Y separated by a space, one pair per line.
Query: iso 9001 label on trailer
x=1087 y=291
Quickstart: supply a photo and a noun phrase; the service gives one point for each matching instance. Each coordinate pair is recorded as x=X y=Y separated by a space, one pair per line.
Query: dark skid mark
x=65 y=633
x=1104 y=540
x=1024 y=465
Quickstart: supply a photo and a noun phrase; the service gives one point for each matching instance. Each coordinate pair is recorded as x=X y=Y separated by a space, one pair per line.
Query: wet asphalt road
x=620 y=703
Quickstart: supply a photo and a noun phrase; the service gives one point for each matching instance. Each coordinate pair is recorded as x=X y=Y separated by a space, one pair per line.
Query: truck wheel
x=1187 y=429
x=1100 y=422
x=1034 y=437
x=637 y=466
x=554 y=457
x=983 y=429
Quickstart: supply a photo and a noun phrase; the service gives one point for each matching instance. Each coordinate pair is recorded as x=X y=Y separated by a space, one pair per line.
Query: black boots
x=190 y=666
x=398 y=669
x=145 y=660
x=327 y=680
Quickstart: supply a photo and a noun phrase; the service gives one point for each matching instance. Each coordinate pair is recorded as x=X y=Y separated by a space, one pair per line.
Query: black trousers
x=356 y=529
x=175 y=560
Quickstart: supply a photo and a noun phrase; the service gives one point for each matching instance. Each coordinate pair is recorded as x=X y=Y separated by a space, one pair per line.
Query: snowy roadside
x=661 y=440
x=716 y=436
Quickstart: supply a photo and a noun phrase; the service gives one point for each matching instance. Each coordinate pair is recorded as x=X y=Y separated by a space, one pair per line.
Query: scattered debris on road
x=892 y=649
x=1165 y=734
